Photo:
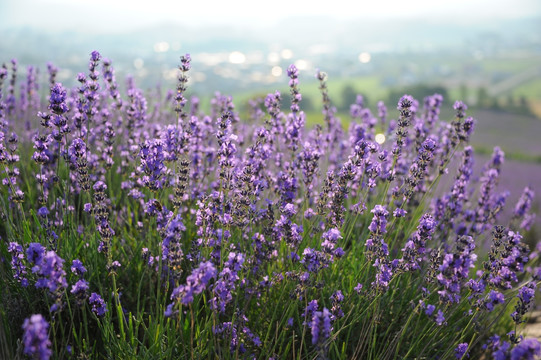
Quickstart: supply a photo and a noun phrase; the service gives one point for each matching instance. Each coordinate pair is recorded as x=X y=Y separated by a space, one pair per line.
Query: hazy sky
x=107 y=15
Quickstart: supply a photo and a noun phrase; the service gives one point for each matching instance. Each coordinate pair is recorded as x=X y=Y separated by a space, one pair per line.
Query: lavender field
x=135 y=225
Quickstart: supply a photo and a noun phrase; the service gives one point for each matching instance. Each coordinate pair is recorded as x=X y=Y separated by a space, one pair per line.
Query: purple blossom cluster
x=523 y=207
x=415 y=247
x=101 y=215
x=196 y=283
x=36 y=337
x=17 y=264
x=239 y=334
x=80 y=288
x=319 y=322
x=51 y=273
x=235 y=216
x=455 y=268
x=378 y=250
x=527 y=349
x=321 y=326
x=49 y=269
x=98 y=305
x=507 y=258
x=525 y=297
x=226 y=282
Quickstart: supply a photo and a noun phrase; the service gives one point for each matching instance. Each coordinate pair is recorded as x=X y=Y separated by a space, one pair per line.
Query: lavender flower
x=309 y=158
x=180 y=100
x=237 y=333
x=527 y=349
x=508 y=256
x=43 y=212
x=53 y=71
x=418 y=168
x=336 y=309
x=522 y=208
x=432 y=106
x=346 y=174
x=384 y=273
x=80 y=291
x=93 y=86
x=110 y=83
x=467 y=128
x=296 y=97
x=226 y=141
x=525 y=296
x=114 y=266
x=196 y=283
x=3 y=122
x=57 y=117
x=493 y=298
x=171 y=246
x=321 y=326
x=379 y=221
x=497 y=160
x=382 y=112
x=330 y=238
x=51 y=276
x=35 y=252
x=101 y=214
x=500 y=349
x=451 y=206
x=98 y=304
x=77 y=268
x=314 y=260
x=78 y=155
x=286 y=229
x=57 y=100
x=334 y=128
x=11 y=99
x=524 y=203
x=152 y=158
x=377 y=248
x=408 y=107
x=295 y=120
x=399 y=212
x=460 y=108
x=455 y=268
x=440 y=318
x=310 y=309
x=17 y=263
x=226 y=283
x=461 y=350
x=485 y=207
x=36 y=338
x=42 y=154
x=415 y=246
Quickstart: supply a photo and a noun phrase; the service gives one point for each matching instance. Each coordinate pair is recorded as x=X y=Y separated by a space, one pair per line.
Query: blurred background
x=484 y=52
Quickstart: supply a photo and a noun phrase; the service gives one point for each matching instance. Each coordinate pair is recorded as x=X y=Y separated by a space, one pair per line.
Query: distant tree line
x=418 y=91
x=481 y=98
x=517 y=105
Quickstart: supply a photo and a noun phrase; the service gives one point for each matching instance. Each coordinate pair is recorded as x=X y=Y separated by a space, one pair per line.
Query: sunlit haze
x=106 y=15
x=242 y=44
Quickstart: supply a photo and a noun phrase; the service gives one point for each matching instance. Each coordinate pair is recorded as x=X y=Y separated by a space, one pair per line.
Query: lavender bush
x=139 y=226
